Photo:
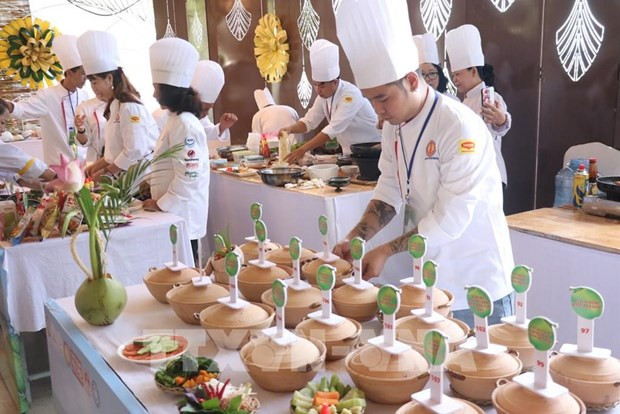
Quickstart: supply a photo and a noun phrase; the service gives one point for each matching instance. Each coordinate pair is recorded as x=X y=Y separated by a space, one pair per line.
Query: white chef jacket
x=273 y=118
x=160 y=115
x=14 y=160
x=351 y=117
x=181 y=185
x=94 y=124
x=473 y=100
x=212 y=131
x=455 y=193
x=56 y=108
x=130 y=134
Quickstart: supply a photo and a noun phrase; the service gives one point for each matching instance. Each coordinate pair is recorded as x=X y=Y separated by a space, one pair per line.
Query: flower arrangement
x=270 y=48
x=215 y=397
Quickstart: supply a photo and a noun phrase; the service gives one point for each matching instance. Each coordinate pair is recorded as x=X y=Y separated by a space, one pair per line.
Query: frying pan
x=611 y=186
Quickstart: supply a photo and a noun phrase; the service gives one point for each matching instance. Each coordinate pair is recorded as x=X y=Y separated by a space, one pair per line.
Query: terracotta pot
x=386 y=378
x=474 y=375
x=232 y=328
x=360 y=305
x=414 y=407
x=340 y=339
x=254 y=281
x=343 y=270
x=595 y=381
x=160 y=281
x=411 y=330
x=282 y=256
x=515 y=339
x=283 y=369
x=250 y=250
x=219 y=266
x=512 y=398
x=415 y=298
x=299 y=304
x=187 y=300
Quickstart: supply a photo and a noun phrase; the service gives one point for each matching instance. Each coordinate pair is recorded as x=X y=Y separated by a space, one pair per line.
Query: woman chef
x=429 y=63
x=437 y=162
x=180 y=185
x=130 y=131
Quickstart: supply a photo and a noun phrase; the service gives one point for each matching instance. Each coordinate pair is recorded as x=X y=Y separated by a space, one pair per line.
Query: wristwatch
x=81 y=131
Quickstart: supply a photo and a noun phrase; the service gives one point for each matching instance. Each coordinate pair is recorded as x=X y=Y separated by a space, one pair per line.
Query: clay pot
x=515 y=339
x=231 y=328
x=386 y=378
x=415 y=407
x=512 y=398
x=474 y=375
x=595 y=381
x=360 y=305
x=160 y=281
x=219 y=266
x=253 y=280
x=411 y=330
x=343 y=270
x=250 y=250
x=413 y=297
x=340 y=339
x=187 y=300
x=282 y=256
x=298 y=305
x=283 y=368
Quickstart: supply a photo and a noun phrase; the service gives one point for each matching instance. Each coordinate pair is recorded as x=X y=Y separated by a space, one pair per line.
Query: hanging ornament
x=238 y=20
x=196 y=31
x=435 y=15
x=270 y=48
x=579 y=40
x=308 y=23
x=502 y=5
x=169 y=32
x=335 y=4
x=304 y=89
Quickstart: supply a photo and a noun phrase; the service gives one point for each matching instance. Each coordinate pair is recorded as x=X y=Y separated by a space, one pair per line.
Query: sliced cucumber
x=155 y=348
x=170 y=346
x=142 y=341
x=144 y=350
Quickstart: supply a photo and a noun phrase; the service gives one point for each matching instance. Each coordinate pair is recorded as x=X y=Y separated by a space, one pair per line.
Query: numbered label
x=256 y=211
x=388 y=300
x=294 y=247
x=357 y=247
x=587 y=303
x=479 y=301
x=541 y=332
x=323 y=225
x=279 y=293
x=326 y=277
x=260 y=229
x=521 y=279
x=233 y=264
x=417 y=246
x=429 y=273
x=435 y=347
x=173 y=234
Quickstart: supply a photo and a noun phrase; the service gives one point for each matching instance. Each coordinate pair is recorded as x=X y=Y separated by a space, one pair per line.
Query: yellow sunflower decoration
x=26 y=52
x=270 y=48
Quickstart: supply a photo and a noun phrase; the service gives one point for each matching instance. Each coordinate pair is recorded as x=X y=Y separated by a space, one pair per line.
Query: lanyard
x=62 y=107
x=409 y=166
x=329 y=108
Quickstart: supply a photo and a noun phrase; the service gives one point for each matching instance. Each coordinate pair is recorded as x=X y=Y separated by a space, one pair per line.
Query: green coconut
x=100 y=301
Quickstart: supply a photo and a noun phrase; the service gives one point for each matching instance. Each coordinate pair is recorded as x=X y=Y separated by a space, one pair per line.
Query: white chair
x=607 y=158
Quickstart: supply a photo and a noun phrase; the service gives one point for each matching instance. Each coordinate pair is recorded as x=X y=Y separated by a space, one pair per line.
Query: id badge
x=409 y=223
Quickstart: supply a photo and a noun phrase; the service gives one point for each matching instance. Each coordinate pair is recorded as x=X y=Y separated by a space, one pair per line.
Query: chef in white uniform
x=350 y=117
x=180 y=185
x=437 y=162
x=469 y=71
x=130 y=131
x=56 y=105
x=271 y=118
x=430 y=66
x=90 y=127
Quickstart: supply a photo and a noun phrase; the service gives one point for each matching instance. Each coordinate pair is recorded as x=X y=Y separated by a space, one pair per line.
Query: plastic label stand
x=256 y=212
x=174 y=265
x=199 y=281
x=551 y=390
x=429 y=277
x=521 y=280
x=261 y=262
x=447 y=405
x=388 y=341
x=434 y=317
x=326 y=256
x=233 y=264
x=358 y=249
x=296 y=283
x=480 y=343
x=326 y=279
x=363 y=285
x=279 y=334
x=416 y=246
x=585 y=342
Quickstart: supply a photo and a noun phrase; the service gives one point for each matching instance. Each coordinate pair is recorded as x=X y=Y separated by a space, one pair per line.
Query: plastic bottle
x=564 y=187
x=592 y=176
x=580 y=185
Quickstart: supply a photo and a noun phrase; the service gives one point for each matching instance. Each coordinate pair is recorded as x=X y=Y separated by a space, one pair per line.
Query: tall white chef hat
x=464 y=47
x=376 y=36
x=173 y=61
x=263 y=98
x=99 y=52
x=324 y=60
x=208 y=80
x=427 y=48
x=65 y=47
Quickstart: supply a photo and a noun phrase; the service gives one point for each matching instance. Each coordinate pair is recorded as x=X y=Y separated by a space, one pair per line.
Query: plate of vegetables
x=328 y=396
x=153 y=348
x=186 y=372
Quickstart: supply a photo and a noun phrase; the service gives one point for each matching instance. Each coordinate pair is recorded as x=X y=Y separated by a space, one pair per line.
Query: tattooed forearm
x=399 y=244
x=377 y=215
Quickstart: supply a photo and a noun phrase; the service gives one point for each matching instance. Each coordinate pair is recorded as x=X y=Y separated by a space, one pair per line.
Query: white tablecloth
x=37 y=271
x=34 y=147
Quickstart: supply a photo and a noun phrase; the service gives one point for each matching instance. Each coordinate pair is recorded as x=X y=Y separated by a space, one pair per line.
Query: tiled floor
x=42 y=402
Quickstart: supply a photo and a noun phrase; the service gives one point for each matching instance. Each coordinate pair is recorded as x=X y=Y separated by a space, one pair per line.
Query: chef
x=430 y=67
x=469 y=73
x=271 y=117
x=437 y=162
x=90 y=127
x=180 y=185
x=350 y=117
x=56 y=105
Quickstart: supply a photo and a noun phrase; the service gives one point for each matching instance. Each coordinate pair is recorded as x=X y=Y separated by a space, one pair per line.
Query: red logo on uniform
x=191 y=153
x=431 y=148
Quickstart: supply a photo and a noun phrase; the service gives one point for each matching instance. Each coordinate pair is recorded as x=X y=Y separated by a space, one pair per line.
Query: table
x=33 y=272
x=32 y=146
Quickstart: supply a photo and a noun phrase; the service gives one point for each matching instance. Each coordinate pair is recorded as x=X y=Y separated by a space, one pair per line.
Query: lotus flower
x=70 y=173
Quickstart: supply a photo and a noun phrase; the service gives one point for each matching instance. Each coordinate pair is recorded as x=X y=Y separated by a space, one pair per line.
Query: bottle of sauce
x=592 y=176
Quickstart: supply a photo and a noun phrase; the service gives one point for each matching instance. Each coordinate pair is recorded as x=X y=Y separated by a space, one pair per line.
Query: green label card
x=586 y=302
x=173 y=234
x=279 y=293
x=326 y=277
x=429 y=273
x=417 y=246
x=294 y=248
x=323 y=225
x=435 y=347
x=479 y=301
x=388 y=299
x=521 y=278
x=256 y=211
x=220 y=246
x=357 y=247
x=233 y=264
x=541 y=332
x=260 y=230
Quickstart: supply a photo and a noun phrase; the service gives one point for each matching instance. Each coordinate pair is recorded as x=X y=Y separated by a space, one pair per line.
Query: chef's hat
x=376 y=37
x=173 y=62
x=263 y=98
x=208 y=80
x=427 y=48
x=464 y=47
x=65 y=47
x=99 y=52
x=324 y=60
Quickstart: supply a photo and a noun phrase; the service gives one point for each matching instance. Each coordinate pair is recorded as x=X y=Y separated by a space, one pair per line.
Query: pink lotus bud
x=70 y=173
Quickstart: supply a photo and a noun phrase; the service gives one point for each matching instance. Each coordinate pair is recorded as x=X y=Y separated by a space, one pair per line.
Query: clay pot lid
x=259 y=275
x=188 y=293
x=348 y=294
x=412 y=329
x=374 y=362
x=516 y=399
x=476 y=364
x=342 y=266
x=165 y=275
x=328 y=333
x=509 y=335
x=415 y=407
x=296 y=298
x=251 y=248
x=221 y=315
x=586 y=369
x=266 y=353
x=416 y=297
x=283 y=255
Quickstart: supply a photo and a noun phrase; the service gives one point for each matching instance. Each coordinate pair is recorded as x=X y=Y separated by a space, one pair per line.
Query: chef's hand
x=9 y=104
x=374 y=261
x=295 y=155
x=283 y=130
x=226 y=121
x=78 y=121
x=31 y=183
x=493 y=114
x=150 y=205
x=48 y=175
x=343 y=249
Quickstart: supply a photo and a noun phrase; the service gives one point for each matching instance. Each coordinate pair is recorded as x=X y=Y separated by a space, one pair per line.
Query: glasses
x=430 y=76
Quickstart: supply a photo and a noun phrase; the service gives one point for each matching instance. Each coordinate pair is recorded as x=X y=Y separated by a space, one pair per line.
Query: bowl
x=360 y=305
x=515 y=339
x=188 y=300
x=338 y=182
x=413 y=297
x=160 y=281
x=278 y=177
x=351 y=171
x=253 y=280
x=340 y=339
x=368 y=165
x=512 y=398
x=366 y=148
x=415 y=407
x=411 y=330
x=343 y=270
x=323 y=171
x=298 y=305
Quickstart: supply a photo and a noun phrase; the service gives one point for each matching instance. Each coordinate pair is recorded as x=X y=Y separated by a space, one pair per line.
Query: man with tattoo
x=437 y=163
